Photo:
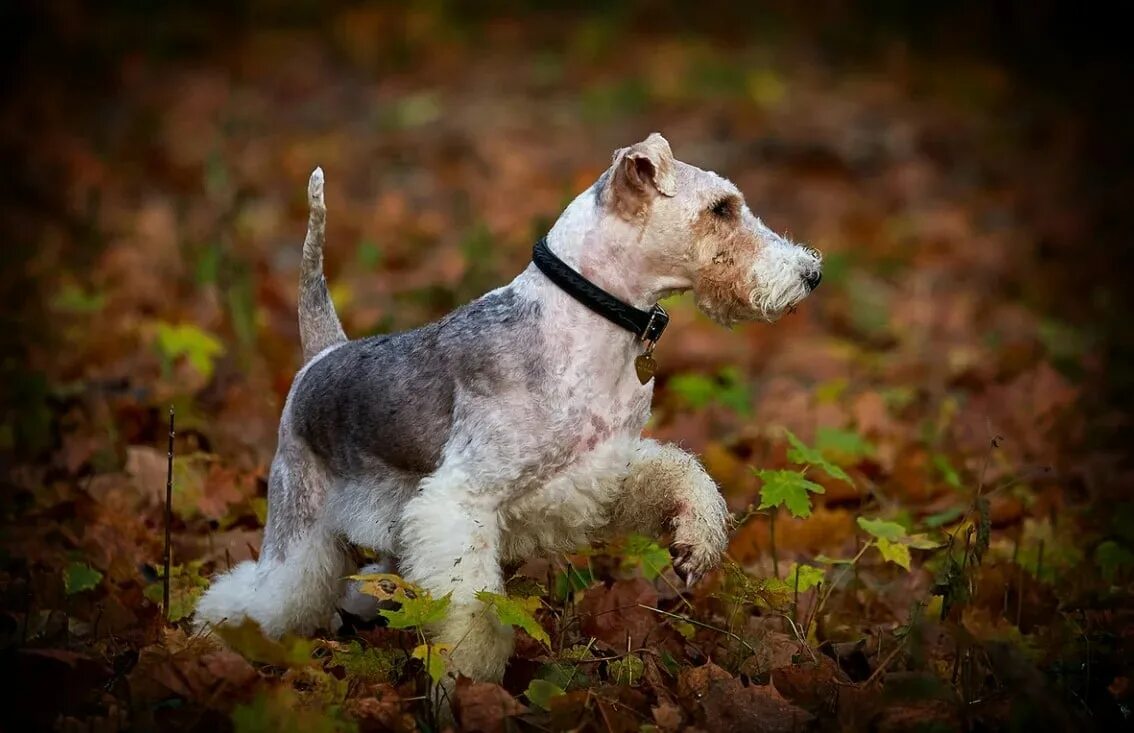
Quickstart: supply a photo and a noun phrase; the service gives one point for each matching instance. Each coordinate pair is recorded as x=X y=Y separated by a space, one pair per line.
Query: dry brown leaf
x=615 y=617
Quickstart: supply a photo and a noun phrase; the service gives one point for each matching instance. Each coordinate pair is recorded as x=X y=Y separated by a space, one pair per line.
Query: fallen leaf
x=615 y=613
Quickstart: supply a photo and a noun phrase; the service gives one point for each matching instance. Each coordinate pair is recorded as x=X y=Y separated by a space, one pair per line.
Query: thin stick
x=772 y=539
x=703 y=625
x=168 y=519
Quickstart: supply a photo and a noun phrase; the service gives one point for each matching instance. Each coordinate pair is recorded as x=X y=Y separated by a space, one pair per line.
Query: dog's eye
x=725 y=208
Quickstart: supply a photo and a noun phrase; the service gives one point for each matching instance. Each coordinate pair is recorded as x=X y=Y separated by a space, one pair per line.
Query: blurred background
x=964 y=167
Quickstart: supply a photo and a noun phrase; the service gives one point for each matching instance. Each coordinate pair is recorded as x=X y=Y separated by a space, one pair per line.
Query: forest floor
x=939 y=547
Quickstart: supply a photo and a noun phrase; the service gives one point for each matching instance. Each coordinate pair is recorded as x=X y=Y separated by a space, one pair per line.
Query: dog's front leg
x=666 y=488
x=450 y=541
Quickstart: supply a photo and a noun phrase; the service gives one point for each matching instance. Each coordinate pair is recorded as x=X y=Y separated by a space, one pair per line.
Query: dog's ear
x=643 y=168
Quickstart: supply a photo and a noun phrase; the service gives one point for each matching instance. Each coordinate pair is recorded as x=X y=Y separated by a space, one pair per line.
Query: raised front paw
x=699 y=539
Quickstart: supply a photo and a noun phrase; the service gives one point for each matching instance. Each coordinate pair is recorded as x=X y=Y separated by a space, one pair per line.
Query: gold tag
x=645 y=365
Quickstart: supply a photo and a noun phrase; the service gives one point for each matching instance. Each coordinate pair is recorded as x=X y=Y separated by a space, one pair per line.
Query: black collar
x=646 y=325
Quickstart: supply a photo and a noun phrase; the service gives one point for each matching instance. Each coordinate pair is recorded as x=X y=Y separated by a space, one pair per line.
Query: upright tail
x=319 y=325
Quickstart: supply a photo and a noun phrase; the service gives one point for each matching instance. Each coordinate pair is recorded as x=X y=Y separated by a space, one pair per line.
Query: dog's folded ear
x=644 y=166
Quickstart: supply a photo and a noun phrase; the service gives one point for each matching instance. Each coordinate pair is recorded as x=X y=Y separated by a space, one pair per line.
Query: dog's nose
x=812 y=279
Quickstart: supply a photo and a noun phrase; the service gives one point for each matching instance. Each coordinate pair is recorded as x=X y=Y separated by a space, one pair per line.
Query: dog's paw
x=692 y=562
x=697 y=546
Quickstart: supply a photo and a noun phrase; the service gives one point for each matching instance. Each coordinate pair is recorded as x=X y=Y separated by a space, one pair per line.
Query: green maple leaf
x=801 y=453
x=649 y=555
x=572 y=581
x=843 y=444
x=416 y=612
x=788 y=489
x=434 y=657
x=882 y=529
x=894 y=552
x=515 y=611
x=199 y=347
x=626 y=671
x=809 y=576
x=79 y=577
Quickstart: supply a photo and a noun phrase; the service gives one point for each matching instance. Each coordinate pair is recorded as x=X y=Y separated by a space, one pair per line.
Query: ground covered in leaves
x=927 y=537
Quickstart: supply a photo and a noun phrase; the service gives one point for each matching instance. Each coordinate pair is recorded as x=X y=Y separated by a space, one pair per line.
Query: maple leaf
x=199 y=347
x=801 y=453
x=895 y=552
x=788 y=489
x=647 y=554
x=515 y=611
x=882 y=529
x=417 y=612
x=572 y=581
x=626 y=671
x=807 y=577
x=435 y=657
x=847 y=445
x=79 y=577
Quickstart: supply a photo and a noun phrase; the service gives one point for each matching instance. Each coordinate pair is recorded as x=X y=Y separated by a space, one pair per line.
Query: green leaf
x=199 y=347
x=809 y=577
x=739 y=587
x=728 y=388
x=79 y=577
x=801 y=453
x=686 y=629
x=894 y=552
x=626 y=671
x=734 y=392
x=540 y=692
x=572 y=581
x=647 y=554
x=566 y=675
x=882 y=529
x=922 y=542
x=788 y=489
x=827 y=560
x=1113 y=560
x=843 y=445
x=516 y=612
x=943 y=517
x=417 y=612
x=368 y=254
x=186 y=584
x=952 y=478
x=696 y=390
x=435 y=657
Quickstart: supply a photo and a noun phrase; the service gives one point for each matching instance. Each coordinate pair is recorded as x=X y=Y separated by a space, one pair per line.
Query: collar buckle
x=655 y=326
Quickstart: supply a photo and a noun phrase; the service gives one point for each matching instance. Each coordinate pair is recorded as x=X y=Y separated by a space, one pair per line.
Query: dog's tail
x=319 y=325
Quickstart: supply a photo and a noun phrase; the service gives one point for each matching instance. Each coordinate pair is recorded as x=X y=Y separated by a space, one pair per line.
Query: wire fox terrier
x=512 y=426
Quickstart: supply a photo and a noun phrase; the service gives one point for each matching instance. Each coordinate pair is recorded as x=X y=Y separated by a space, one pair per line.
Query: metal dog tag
x=645 y=366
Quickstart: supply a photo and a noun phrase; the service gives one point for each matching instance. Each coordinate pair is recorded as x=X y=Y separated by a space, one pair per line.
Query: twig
x=885 y=663
x=168 y=519
x=835 y=583
x=703 y=625
x=772 y=540
x=575 y=669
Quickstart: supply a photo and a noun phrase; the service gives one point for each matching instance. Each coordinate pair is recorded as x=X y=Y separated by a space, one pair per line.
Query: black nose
x=812 y=279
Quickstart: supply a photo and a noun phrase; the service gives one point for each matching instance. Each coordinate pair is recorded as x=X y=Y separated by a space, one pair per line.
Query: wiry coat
x=513 y=425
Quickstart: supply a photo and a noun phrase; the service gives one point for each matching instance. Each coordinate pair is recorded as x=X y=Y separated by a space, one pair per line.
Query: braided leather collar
x=646 y=325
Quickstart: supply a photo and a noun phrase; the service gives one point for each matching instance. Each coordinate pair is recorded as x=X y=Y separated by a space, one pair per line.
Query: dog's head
x=695 y=231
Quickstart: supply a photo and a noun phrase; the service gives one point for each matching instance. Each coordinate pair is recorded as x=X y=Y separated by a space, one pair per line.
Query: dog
x=512 y=426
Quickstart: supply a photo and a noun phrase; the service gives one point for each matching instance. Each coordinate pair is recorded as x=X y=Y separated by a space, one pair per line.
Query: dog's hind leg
x=294 y=584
